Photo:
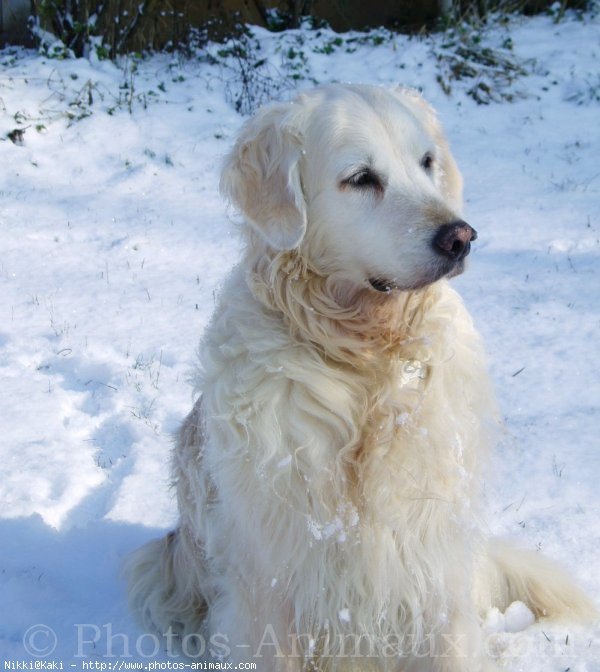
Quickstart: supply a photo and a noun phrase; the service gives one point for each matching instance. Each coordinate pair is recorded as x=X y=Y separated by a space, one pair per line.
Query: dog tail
x=163 y=587
x=512 y=574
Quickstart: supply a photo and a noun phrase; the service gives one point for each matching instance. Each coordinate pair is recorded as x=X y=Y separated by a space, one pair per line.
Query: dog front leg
x=459 y=647
x=254 y=628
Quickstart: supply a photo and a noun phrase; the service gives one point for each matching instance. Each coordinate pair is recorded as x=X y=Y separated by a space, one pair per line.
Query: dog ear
x=451 y=182
x=261 y=176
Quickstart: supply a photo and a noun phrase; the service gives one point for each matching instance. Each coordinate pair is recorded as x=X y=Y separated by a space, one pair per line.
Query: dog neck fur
x=350 y=325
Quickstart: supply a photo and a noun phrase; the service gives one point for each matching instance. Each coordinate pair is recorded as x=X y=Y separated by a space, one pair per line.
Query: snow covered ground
x=114 y=241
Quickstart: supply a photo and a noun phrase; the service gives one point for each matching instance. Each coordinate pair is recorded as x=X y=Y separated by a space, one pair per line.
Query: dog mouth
x=442 y=269
x=382 y=285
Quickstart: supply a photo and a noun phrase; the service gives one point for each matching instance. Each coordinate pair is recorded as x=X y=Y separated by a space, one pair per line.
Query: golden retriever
x=328 y=477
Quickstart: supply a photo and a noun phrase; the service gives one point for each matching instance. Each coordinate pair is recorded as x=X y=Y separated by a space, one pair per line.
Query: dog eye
x=365 y=179
x=427 y=162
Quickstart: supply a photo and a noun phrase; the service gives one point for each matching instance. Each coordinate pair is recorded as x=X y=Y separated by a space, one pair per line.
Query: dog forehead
x=351 y=124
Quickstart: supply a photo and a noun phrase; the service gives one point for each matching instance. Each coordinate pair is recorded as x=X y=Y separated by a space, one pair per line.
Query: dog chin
x=457 y=269
x=447 y=270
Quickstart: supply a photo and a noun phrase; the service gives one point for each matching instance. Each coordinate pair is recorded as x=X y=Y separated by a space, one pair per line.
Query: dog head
x=360 y=179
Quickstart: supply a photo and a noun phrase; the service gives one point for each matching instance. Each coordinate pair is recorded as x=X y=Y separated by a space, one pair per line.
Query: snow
x=344 y=615
x=115 y=240
x=517 y=617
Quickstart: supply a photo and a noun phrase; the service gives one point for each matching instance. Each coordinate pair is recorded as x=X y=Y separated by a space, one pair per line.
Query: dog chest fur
x=366 y=485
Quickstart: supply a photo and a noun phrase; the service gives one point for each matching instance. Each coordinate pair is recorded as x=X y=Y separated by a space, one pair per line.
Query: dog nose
x=454 y=240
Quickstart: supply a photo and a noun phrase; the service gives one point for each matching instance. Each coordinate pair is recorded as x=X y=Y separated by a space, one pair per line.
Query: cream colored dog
x=328 y=476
